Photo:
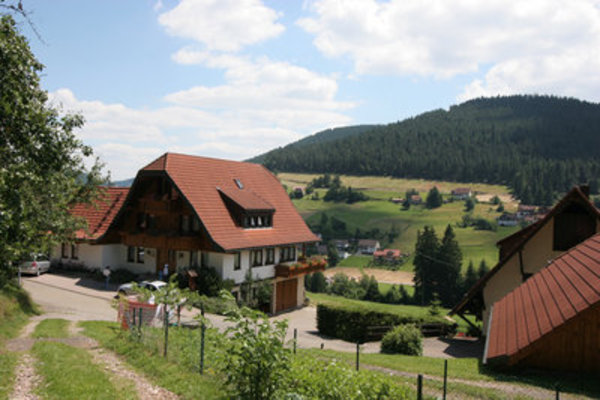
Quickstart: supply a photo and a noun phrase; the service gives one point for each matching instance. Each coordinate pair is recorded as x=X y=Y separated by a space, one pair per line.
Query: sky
x=234 y=78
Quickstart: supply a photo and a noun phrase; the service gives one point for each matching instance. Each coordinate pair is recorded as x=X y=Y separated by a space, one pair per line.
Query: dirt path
x=382 y=275
x=26 y=379
x=118 y=371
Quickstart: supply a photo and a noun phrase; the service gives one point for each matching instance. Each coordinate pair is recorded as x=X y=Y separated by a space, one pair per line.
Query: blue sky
x=234 y=78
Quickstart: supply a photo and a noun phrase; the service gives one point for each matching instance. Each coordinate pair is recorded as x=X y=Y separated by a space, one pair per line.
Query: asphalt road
x=76 y=298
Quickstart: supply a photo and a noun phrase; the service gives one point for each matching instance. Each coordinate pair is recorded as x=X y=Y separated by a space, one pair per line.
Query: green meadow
x=379 y=212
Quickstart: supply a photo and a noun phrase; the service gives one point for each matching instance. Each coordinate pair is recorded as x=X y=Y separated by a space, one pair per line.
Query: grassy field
x=15 y=309
x=380 y=213
x=355 y=261
x=414 y=311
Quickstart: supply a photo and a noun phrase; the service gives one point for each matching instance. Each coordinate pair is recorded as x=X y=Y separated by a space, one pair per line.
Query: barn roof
x=204 y=181
x=100 y=214
x=547 y=300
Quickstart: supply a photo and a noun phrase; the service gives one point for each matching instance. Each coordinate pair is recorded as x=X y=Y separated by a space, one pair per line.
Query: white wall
x=115 y=255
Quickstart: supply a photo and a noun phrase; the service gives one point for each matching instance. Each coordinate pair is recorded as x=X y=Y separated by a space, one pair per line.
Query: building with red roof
x=190 y=211
x=552 y=320
x=526 y=252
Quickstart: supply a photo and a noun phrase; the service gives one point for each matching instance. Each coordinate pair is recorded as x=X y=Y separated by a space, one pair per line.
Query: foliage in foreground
x=43 y=171
x=403 y=339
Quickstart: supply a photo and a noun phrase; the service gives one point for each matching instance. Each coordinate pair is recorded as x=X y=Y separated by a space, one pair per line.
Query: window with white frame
x=131 y=254
x=287 y=253
x=237 y=261
x=270 y=257
x=74 y=251
x=140 y=255
x=64 y=251
x=256 y=256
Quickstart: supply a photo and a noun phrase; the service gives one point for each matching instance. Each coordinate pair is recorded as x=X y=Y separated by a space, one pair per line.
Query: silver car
x=126 y=288
x=39 y=263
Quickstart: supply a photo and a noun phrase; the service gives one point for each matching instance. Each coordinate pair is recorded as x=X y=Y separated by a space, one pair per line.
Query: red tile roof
x=246 y=199
x=387 y=253
x=200 y=179
x=100 y=215
x=547 y=300
x=511 y=244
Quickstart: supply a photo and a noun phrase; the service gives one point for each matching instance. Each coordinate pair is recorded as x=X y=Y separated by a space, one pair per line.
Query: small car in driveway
x=126 y=289
x=36 y=265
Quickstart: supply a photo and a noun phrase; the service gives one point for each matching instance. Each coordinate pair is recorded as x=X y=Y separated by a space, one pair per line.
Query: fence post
x=166 y=330
x=420 y=387
x=132 y=324
x=322 y=346
x=295 y=339
x=557 y=392
x=357 y=355
x=140 y=323
x=202 y=330
x=445 y=377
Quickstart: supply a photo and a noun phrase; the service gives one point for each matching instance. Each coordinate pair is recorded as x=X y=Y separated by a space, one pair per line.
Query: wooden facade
x=157 y=216
x=575 y=346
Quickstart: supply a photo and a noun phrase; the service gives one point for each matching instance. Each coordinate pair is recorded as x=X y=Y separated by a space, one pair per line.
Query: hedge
x=352 y=323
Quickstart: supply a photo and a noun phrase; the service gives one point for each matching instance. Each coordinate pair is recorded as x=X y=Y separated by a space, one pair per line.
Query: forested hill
x=325 y=136
x=538 y=145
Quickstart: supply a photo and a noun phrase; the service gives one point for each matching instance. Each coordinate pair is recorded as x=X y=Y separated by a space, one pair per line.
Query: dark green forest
x=539 y=146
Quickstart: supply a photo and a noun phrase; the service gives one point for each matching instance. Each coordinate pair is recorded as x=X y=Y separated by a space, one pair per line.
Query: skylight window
x=238 y=183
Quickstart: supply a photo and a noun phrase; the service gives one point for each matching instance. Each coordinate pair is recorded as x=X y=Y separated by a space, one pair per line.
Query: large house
x=524 y=253
x=368 y=246
x=188 y=211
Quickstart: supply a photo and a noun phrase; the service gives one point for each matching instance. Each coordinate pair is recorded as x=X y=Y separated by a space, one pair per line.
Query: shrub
x=403 y=339
x=318 y=283
x=351 y=323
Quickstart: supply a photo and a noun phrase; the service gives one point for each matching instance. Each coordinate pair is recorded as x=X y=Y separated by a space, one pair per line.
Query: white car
x=39 y=263
x=127 y=288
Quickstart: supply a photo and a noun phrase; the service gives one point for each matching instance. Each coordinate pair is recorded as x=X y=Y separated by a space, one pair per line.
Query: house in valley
x=415 y=199
x=508 y=219
x=461 y=193
x=526 y=252
x=387 y=255
x=368 y=246
x=552 y=320
x=189 y=211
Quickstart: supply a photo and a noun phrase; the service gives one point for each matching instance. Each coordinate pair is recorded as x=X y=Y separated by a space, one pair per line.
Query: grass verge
x=51 y=328
x=173 y=376
x=469 y=369
x=69 y=373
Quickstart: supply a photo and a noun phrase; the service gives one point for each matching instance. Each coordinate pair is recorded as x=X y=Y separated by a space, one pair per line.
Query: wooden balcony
x=299 y=268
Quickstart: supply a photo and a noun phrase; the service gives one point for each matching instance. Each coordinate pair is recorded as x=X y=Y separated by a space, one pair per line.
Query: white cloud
x=546 y=46
x=224 y=25
x=262 y=105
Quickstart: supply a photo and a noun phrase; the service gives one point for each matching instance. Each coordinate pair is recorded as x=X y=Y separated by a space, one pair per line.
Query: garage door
x=287 y=295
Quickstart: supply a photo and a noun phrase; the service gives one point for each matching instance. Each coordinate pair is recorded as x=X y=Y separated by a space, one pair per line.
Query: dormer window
x=247 y=209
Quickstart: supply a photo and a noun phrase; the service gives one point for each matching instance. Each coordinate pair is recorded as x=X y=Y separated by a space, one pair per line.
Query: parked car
x=39 y=263
x=126 y=289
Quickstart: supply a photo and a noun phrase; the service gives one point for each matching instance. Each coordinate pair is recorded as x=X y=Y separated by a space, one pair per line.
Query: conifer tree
x=447 y=274
x=471 y=277
x=434 y=198
x=483 y=269
x=426 y=251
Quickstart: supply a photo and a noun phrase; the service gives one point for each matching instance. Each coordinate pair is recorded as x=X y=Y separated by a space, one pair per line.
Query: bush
x=403 y=339
x=351 y=323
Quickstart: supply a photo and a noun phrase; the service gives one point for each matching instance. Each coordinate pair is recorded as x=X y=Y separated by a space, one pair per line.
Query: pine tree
x=447 y=274
x=483 y=269
x=434 y=198
x=471 y=277
x=332 y=255
x=426 y=250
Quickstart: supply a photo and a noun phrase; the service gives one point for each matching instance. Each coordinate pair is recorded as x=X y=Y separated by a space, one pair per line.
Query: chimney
x=585 y=189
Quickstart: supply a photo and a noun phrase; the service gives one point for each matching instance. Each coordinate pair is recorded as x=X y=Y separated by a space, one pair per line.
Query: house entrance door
x=166 y=256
